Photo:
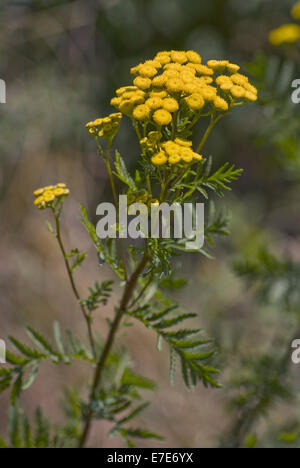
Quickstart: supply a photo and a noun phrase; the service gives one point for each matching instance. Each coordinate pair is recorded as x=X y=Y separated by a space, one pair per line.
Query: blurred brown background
x=61 y=61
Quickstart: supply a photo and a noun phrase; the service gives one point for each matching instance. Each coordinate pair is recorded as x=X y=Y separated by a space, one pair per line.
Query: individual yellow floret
x=217 y=65
x=238 y=92
x=178 y=56
x=154 y=102
x=174 y=66
x=126 y=107
x=147 y=71
x=141 y=112
x=232 y=67
x=38 y=192
x=195 y=102
x=208 y=93
x=251 y=97
x=239 y=79
x=159 y=81
x=221 y=104
x=159 y=159
x=115 y=102
x=185 y=143
x=201 y=69
x=193 y=87
x=249 y=87
x=174 y=85
x=142 y=82
x=40 y=202
x=159 y=93
x=186 y=155
x=123 y=89
x=193 y=57
x=174 y=159
x=171 y=148
x=163 y=58
x=187 y=77
x=48 y=196
x=59 y=192
x=170 y=105
x=162 y=117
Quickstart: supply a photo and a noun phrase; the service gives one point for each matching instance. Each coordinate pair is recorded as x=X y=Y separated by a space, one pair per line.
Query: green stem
x=129 y=289
x=115 y=196
x=213 y=122
x=74 y=288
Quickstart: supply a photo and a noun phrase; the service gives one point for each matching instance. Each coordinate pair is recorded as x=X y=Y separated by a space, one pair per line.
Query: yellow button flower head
x=159 y=81
x=209 y=93
x=232 y=67
x=174 y=159
x=238 y=92
x=163 y=58
x=142 y=82
x=285 y=34
x=186 y=155
x=296 y=11
x=174 y=85
x=162 y=117
x=185 y=143
x=154 y=102
x=159 y=159
x=193 y=57
x=170 y=105
x=217 y=65
x=147 y=71
x=47 y=196
x=221 y=104
x=178 y=57
x=195 y=101
x=141 y=112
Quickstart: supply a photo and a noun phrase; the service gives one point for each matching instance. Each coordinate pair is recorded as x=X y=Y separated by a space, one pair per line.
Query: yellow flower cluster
x=151 y=141
x=296 y=11
x=285 y=34
x=175 y=152
x=176 y=80
x=106 y=127
x=238 y=86
x=46 y=196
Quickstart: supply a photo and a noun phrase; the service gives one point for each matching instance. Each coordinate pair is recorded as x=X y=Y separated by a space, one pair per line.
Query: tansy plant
x=169 y=96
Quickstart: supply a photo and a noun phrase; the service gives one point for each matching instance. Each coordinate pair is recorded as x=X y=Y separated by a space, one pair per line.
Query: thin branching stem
x=126 y=298
x=73 y=285
x=213 y=122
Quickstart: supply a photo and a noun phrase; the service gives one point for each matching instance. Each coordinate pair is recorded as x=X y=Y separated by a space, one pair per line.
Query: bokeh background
x=62 y=61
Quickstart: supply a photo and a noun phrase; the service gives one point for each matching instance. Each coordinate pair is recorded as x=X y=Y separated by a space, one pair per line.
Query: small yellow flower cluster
x=176 y=80
x=46 y=196
x=151 y=141
x=175 y=152
x=296 y=11
x=285 y=34
x=106 y=127
x=238 y=86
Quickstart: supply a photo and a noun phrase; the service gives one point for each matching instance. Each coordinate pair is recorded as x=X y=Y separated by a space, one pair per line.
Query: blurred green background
x=62 y=61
